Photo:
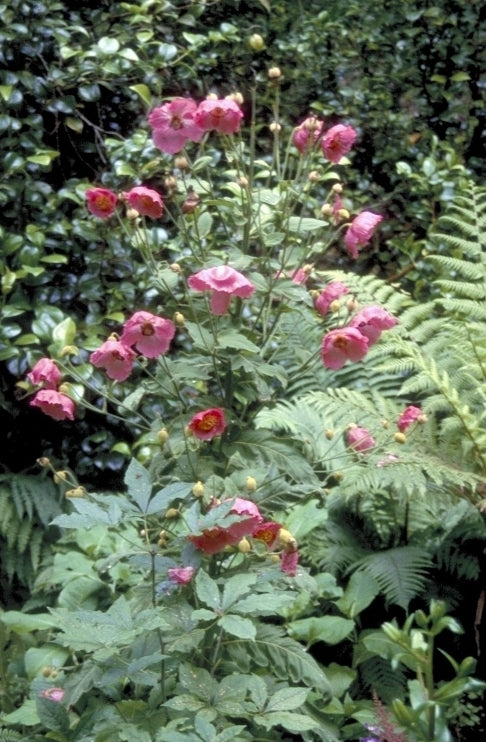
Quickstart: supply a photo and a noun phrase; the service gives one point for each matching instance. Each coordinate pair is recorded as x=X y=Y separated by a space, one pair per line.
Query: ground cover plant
x=303 y=442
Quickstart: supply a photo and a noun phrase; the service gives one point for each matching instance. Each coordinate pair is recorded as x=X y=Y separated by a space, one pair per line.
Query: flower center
x=176 y=122
x=103 y=203
x=208 y=423
x=341 y=342
x=147 y=328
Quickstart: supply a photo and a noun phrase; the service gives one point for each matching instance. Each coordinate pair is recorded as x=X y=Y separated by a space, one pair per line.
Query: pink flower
x=409 y=415
x=207 y=424
x=360 y=439
x=371 y=321
x=215 y=539
x=53 y=694
x=307 y=133
x=268 y=532
x=289 y=561
x=299 y=276
x=223 y=116
x=101 y=202
x=56 y=405
x=151 y=335
x=45 y=372
x=360 y=231
x=337 y=141
x=173 y=124
x=341 y=345
x=146 y=201
x=115 y=358
x=212 y=540
x=390 y=458
x=181 y=575
x=223 y=282
x=328 y=295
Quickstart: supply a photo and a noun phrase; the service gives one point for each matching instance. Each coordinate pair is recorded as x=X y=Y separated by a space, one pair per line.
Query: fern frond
x=377 y=674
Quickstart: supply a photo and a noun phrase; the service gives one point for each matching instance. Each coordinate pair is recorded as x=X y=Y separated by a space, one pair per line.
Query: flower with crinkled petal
x=337 y=141
x=115 y=357
x=289 y=561
x=45 y=372
x=267 y=532
x=151 y=335
x=360 y=439
x=174 y=124
x=53 y=694
x=54 y=404
x=207 y=424
x=222 y=115
x=330 y=293
x=101 y=202
x=341 y=345
x=360 y=231
x=146 y=201
x=223 y=282
x=181 y=575
x=247 y=525
x=306 y=134
x=409 y=415
x=371 y=321
x=217 y=538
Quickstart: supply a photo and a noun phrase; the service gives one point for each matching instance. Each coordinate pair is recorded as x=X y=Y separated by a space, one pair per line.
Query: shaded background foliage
x=408 y=75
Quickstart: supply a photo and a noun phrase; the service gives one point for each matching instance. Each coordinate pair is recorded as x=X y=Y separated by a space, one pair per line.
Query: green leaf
x=26 y=715
x=243 y=628
x=204 y=224
x=235 y=587
x=108 y=45
x=233 y=339
x=287 y=699
x=197 y=681
x=328 y=629
x=5 y=92
x=43 y=158
x=139 y=484
x=286 y=719
x=55 y=258
x=164 y=497
x=360 y=591
x=305 y=224
x=52 y=715
x=201 y=337
x=23 y=623
x=64 y=333
x=185 y=702
x=207 y=590
x=49 y=655
x=143 y=91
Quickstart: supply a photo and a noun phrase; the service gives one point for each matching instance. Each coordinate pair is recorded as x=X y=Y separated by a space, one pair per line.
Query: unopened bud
x=422 y=418
x=170 y=183
x=275 y=127
x=251 y=484
x=329 y=434
x=244 y=546
x=352 y=305
x=400 y=437
x=312 y=124
x=343 y=214
x=287 y=541
x=338 y=475
x=143 y=533
x=191 y=203
x=54 y=674
x=44 y=461
x=179 y=319
x=162 y=542
x=236 y=97
x=181 y=163
x=307 y=268
x=162 y=436
x=132 y=214
x=211 y=96
x=326 y=210
x=274 y=73
x=198 y=489
x=337 y=188
x=335 y=306
x=60 y=476
x=175 y=268
x=242 y=182
x=172 y=513
x=46 y=671
x=314 y=176
x=385 y=424
x=69 y=350
x=76 y=492
x=256 y=42
x=64 y=388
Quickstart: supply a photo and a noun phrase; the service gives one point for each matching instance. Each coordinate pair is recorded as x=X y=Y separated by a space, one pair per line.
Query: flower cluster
x=351 y=343
x=46 y=376
x=102 y=202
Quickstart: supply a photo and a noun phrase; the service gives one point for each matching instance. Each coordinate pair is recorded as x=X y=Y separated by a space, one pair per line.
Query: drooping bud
x=76 y=492
x=329 y=434
x=256 y=42
x=175 y=268
x=162 y=436
x=172 y=513
x=274 y=73
x=69 y=350
x=198 y=489
x=275 y=127
x=244 y=546
x=191 y=203
x=44 y=461
x=314 y=176
x=181 y=163
x=250 y=484
x=337 y=188
x=179 y=319
x=326 y=210
x=60 y=476
x=400 y=437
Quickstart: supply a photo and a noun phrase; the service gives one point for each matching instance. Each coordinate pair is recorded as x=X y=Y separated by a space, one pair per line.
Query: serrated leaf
x=305 y=224
x=164 y=497
x=238 y=626
x=197 y=681
x=184 y=702
x=286 y=719
x=207 y=590
x=263 y=604
x=287 y=699
x=139 y=484
x=233 y=339
x=201 y=337
x=235 y=587
x=204 y=224
x=328 y=629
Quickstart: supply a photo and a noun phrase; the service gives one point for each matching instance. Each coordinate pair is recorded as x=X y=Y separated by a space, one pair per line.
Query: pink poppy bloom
x=223 y=116
x=181 y=575
x=360 y=439
x=101 y=202
x=151 y=335
x=268 y=532
x=371 y=321
x=45 y=372
x=337 y=141
x=307 y=133
x=212 y=540
x=223 y=282
x=174 y=124
x=409 y=415
x=247 y=525
x=56 y=405
x=207 y=424
x=115 y=357
x=360 y=231
x=330 y=293
x=146 y=201
x=289 y=561
x=53 y=694
x=341 y=345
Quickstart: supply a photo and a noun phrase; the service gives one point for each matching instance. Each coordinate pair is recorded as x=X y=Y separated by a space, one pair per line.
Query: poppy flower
x=223 y=116
x=115 y=357
x=341 y=345
x=360 y=231
x=45 y=372
x=101 y=202
x=223 y=282
x=337 y=141
x=54 y=404
x=174 y=124
x=151 y=335
x=207 y=424
x=146 y=201
x=371 y=321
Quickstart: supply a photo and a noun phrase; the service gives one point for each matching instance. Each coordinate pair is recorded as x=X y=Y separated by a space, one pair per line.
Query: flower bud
x=256 y=42
x=275 y=127
x=338 y=475
x=175 y=268
x=326 y=210
x=162 y=542
x=44 y=461
x=352 y=305
x=132 y=214
x=385 y=424
x=314 y=176
x=287 y=541
x=329 y=434
x=274 y=73
x=191 y=203
x=172 y=513
x=181 y=163
x=343 y=214
x=64 y=388
x=60 y=476
x=54 y=674
x=242 y=182
x=179 y=319
x=337 y=188
x=76 y=492
x=236 y=97
x=198 y=489
x=335 y=306
x=170 y=183
x=162 y=436
x=46 y=671
x=244 y=546
x=69 y=350
x=400 y=437
x=250 y=484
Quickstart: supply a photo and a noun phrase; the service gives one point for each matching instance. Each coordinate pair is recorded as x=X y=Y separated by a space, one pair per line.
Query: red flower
x=146 y=201
x=56 y=405
x=268 y=532
x=101 y=202
x=223 y=116
x=410 y=415
x=360 y=439
x=45 y=372
x=212 y=540
x=181 y=575
x=151 y=335
x=307 y=133
x=337 y=141
x=115 y=357
x=207 y=424
x=215 y=539
x=174 y=124
x=223 y=282
x=333 y=291
x=341 y=345
x=371 y=321
x=360 y=231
